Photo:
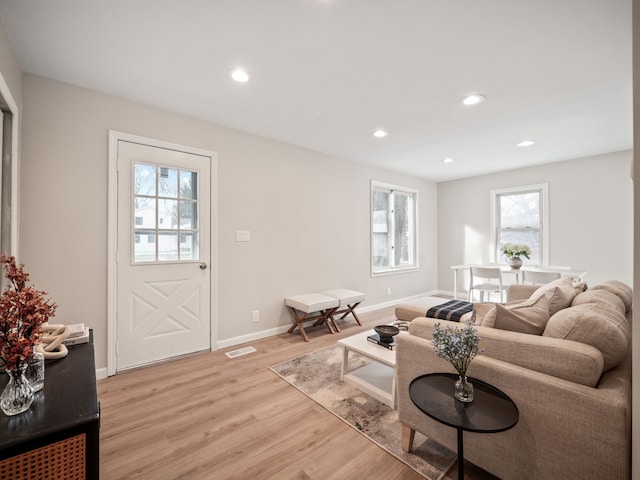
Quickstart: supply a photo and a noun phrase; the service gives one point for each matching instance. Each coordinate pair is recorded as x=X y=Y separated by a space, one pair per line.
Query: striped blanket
x=451 y=311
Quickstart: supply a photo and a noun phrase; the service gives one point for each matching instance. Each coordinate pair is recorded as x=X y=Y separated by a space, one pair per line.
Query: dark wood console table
x=491 y=411
x=58 y=437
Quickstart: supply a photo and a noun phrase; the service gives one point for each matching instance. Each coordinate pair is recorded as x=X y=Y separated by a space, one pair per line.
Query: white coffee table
x=378 y=378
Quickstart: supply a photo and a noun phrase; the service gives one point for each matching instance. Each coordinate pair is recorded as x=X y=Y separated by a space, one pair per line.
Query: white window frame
x=543 y=188
x=393 y=269
x=9 y=185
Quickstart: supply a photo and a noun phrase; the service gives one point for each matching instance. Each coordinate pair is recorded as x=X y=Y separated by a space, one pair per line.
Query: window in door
x=165 y=209
x=520 y=217
x=393 y=228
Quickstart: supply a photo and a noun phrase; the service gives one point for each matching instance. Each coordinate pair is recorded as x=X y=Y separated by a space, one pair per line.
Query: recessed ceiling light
x=239 y=75
x=473 y=99
x=448 y=160
x=526 y=143
x=380 y=133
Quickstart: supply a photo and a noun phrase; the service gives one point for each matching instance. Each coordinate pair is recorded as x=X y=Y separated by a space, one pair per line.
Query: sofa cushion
x=597 y=325
x=559 y=293
x=600 y=296
x=580 y=287
x=530 y=316
x=480 y=310
x=622 y=290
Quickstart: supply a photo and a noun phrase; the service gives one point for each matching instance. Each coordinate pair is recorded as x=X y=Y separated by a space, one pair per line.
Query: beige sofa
x=572 y=384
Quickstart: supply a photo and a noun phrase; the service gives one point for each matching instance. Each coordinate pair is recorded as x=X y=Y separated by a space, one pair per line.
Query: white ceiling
x=326 y=73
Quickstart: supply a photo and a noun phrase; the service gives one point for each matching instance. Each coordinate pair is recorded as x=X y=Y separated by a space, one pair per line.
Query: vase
x=464 y=389
x=35 y=370
x=18 y=394
x=515 y=262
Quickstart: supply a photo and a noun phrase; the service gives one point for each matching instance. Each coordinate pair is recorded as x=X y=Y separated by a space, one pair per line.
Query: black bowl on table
x=386 y=332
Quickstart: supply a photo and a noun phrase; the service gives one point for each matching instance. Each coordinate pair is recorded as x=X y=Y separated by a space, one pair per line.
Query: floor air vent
x=240 y=351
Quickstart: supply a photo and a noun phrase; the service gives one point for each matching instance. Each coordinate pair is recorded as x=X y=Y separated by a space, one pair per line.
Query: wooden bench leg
x=298 y=320
x=332 y=320
x=323 y=319
x=351 y=310
x=324 y=316
x=408 y=435
x=328 y=320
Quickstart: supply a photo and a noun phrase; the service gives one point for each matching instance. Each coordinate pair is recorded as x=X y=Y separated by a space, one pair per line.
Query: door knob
x=203 y=266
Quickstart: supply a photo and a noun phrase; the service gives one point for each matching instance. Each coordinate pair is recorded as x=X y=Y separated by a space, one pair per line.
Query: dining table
x=576 y=274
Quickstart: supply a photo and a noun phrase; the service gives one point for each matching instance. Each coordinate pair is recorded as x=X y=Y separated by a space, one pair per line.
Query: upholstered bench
x=300 y=306
x=349 y=300
x=324 y=305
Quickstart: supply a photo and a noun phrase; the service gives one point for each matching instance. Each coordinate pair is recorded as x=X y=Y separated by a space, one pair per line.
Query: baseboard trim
x=101 y=373
x=250 y=337
x=446 y=292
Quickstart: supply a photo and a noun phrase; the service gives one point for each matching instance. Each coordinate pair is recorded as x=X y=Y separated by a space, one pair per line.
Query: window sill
x=396 y=271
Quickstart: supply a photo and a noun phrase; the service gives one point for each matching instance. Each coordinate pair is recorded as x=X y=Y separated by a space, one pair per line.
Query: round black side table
x=491 y=411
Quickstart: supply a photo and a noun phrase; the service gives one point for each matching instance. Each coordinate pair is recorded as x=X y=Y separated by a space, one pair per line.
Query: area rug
x=317 y=375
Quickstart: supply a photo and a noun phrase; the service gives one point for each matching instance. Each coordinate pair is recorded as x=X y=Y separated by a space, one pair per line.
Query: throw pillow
x=524 y=317
x=590 y=323
x=480 y=310
x=559 y=294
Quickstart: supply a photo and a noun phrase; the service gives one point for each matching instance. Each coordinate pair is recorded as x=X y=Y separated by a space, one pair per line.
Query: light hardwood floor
x=210 y=417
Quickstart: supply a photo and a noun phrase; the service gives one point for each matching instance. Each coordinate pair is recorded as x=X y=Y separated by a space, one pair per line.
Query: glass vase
x=18 y=394
x=35 y=370
x=464 y=389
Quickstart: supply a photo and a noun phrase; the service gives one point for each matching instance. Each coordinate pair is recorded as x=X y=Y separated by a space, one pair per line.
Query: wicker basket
x=64 y=460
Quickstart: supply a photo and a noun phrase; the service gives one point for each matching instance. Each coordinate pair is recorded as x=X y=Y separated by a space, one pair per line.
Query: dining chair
x=483 y=279
x=539 y=278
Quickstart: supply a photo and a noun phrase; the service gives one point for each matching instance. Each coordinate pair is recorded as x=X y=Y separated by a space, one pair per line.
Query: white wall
x=591 y=216
x=308 y=213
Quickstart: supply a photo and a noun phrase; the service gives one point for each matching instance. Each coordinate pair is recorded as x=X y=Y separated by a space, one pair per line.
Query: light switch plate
x=243 y=236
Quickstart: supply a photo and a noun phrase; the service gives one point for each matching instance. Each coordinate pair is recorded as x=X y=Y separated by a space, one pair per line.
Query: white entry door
x=163 y=254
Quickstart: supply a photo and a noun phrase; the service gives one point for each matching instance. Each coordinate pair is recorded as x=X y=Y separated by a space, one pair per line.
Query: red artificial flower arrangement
x=23 y=310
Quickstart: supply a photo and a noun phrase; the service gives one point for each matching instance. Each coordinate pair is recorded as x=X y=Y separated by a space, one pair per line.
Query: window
x=9 y=125
x=393 y=228
x=520 y=215
x=165 y=209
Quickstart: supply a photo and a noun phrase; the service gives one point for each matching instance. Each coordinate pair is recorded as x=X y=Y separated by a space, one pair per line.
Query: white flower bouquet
x=513 y=250
x=457 y=345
